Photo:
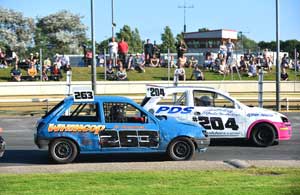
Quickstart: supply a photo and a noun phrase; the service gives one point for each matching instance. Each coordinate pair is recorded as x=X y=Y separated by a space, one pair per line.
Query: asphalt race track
x=18 y=134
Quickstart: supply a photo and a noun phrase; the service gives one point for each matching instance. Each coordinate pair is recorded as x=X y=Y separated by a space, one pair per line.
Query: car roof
x=106 y=99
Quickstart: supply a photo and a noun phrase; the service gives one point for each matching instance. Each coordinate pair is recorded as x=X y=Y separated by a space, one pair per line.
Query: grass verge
x=234 y=182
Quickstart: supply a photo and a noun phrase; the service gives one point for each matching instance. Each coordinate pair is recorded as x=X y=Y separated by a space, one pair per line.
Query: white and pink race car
x=221 y=115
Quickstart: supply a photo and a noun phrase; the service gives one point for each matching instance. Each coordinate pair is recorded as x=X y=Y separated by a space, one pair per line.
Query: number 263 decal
x=216 y=123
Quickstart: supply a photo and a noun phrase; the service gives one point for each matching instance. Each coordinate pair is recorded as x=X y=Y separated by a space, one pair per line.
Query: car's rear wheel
x=63 y=150
x=181 y=149
x=263 y=135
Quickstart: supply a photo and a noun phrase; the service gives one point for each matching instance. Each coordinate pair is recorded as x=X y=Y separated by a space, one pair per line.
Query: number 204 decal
x=216 y=123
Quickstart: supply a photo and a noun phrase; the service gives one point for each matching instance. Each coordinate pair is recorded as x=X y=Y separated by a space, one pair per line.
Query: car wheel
x=181 y=149
x=63 y=151
x=263 y=135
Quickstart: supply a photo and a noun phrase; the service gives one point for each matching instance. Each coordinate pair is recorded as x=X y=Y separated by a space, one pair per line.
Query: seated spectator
x=121 y=73
x=31 y=71
x=208 y=62
x=139 y=63
x=197 y=73
x=179 y=74
x=47 y=64
x=223 y=69
x=192 y=62
x=130 y=62
x=65 y=63
x=217 y=63
x=154 y=61
x=110 y=74
x=16 y=73
x=173 y=62
x=55 y=73
x=252 y=71
x=243 y=65
x=44 y=73
x=284 y=75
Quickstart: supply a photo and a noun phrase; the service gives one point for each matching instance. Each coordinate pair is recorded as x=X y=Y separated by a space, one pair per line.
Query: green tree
x=16 y=31
x=63 y=31
x=131 y=37
x=246 y=43
x=168 y=41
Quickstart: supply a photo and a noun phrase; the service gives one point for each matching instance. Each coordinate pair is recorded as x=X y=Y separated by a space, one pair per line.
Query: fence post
x=260 y=87
x=169 y=63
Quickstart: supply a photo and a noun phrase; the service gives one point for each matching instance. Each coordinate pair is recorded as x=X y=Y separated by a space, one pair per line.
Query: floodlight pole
x=184 y=6
x=112 y=19
x=277 y=59
x=93 y=48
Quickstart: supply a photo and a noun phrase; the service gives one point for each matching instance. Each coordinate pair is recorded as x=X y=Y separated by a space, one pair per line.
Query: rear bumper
x=40 y=142
x=202 y=144
x=2 y=146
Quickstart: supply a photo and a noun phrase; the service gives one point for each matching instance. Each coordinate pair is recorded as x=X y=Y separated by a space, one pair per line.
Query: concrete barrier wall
x=137 y=87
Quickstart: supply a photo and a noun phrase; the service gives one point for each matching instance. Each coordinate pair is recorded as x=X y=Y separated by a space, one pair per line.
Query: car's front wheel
x=63 y=150
x=263 y=135
x=181 y=149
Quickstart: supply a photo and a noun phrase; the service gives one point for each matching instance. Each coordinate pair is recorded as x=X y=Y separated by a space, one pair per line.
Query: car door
x=218 y=114
x=127 y=129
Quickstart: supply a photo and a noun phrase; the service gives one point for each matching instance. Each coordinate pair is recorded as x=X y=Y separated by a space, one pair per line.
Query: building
x=208 y=40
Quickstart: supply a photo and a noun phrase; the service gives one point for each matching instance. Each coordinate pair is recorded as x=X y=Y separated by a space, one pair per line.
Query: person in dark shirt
x=284 y=75
x=16 y=73
x=148 y=49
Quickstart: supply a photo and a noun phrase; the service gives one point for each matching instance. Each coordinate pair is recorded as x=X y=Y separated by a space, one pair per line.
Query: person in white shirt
x=230 y=46
x=113 y=49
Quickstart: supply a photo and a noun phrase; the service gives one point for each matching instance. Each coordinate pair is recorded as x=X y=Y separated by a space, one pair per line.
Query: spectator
x=223 y=69
x=121 y=74
x=139 y=63
x=197 y=73
x=217 y=62
x=122 y=50
x=252 y=72
x=88 y=58
x=44 y=73
x=284 y=75
x=57 y=60
x=243 y=65
x=173 y=62
x=284 y=61
x=156 y=50
x=31 y=71
x=11 y=57
x=181 y=48
x=181 y=61
x=113 y=50
x=154 y=62
x=148 y=50
x=47 y=64
x=223 y=49
x=208 y=62
x=110 y=74
x=130 y=62
x=192 y=62
x=55 y=73
x=65 y=62
x=230 y=46
x=3 y=62
x=36 y=58
x=16 y=73
x=179 y=74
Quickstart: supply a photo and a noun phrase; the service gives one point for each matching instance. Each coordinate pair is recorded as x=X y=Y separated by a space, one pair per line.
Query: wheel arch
x=68 y=138
x=254 y=124
x=182 y=136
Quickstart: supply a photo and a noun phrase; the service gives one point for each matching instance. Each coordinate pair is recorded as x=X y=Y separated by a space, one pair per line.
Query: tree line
x=64 y=32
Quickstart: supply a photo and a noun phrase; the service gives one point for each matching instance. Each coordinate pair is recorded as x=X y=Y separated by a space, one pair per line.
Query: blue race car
x=109 y=124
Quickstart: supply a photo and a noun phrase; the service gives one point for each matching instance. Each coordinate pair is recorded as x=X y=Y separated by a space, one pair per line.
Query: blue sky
x=256 y=17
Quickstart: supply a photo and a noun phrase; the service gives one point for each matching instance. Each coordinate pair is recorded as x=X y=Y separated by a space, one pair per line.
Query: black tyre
x=263 y=135
x=181 y=149
x=63 y=151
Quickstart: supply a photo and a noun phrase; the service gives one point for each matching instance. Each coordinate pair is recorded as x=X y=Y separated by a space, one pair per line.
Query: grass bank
x=252 y=181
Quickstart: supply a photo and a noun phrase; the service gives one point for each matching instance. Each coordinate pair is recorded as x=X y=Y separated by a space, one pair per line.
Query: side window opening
x=178 y=98
x=83 y=112
x=117 y=112
x=212 y=99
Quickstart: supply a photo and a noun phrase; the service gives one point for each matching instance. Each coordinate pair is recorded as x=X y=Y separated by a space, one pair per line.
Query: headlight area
x=284 y=119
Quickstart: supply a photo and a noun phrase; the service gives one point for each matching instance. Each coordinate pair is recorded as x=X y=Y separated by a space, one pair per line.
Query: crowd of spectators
x=32 y=67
